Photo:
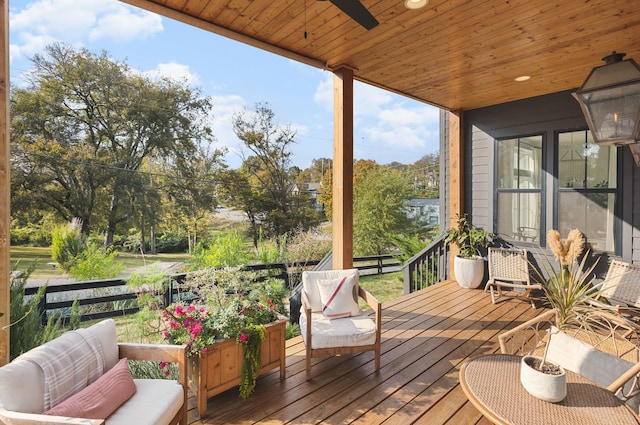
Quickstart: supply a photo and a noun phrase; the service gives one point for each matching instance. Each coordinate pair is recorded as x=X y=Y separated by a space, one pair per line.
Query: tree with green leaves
x=267 y=195
x=191 y=190
x=381 y=195
x=84 y=126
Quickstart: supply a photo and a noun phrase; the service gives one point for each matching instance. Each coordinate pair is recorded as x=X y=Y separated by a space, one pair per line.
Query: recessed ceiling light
x=522 y=78
x=415 y=4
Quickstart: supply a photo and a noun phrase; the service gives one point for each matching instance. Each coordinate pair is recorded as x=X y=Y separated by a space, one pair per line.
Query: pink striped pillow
x=338 y=297
x=101 y=398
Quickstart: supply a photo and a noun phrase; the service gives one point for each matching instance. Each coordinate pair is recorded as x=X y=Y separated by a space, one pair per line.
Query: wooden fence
x=112 y=297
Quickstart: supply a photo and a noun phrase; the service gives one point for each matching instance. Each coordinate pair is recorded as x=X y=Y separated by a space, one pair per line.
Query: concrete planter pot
x=469 y=272
x=220 y=367
x=542 y=385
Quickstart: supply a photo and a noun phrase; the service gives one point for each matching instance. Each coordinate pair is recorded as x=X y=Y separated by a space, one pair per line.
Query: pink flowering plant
x=234 y=304
x=187 y=324
x=200 y=326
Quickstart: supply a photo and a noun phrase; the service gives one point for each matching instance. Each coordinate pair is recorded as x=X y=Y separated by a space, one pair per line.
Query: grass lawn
x=384 y=287
x=24 y=256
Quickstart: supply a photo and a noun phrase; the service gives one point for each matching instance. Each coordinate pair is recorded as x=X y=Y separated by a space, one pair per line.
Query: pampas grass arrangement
x=566 y=251
x=569 y=286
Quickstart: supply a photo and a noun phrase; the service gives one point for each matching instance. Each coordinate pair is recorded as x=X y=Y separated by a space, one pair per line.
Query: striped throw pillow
x=101 y=398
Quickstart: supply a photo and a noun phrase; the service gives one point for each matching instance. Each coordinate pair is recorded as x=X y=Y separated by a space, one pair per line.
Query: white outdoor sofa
x=82 y=370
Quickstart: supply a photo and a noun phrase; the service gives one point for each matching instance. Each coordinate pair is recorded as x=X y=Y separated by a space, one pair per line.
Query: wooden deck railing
x=429 y=266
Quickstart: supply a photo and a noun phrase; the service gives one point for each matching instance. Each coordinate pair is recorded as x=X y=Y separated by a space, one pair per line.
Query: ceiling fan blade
x=357 y=12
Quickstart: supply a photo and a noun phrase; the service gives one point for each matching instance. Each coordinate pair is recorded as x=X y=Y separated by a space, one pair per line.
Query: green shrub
x=172 y=243
x=149 y=286
x=26 y=330
x=74 y=317
x=271 y=250
x=95 y=263
x=67 y=243
x=292 y=330
x=226 y=250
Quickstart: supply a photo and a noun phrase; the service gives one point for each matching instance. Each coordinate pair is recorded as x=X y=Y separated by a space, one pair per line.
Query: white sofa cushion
x=22 y=387
x=310 y=284
x=167 y=395
x=348 y=331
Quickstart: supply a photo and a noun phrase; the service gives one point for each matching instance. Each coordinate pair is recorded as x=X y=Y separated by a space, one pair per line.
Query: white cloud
x=323 y=95
x=386 y=122
x=124 y=24
x=224 y=107
x=175 y=71
x=77 y=21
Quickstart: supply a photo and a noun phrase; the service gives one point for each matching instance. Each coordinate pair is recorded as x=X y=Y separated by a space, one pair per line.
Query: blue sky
x=387 y=127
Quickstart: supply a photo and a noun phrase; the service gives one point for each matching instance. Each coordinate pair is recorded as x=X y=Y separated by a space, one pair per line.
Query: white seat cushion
x=345 y=332
x=167 y=395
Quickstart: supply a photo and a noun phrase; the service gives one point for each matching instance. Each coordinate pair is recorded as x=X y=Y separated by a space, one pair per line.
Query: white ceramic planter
x=547 y=387
x=469 y=272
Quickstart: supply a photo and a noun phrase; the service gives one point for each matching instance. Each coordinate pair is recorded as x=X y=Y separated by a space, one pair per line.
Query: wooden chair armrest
x=373 y=302
x=8 y=417
x=304 y=299
x=159 y=353
x=154 y=352
x=369 y=298
x=504 y=337
x=619 y=383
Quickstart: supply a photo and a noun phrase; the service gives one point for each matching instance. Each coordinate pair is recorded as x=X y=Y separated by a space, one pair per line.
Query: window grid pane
x=519 y=184
x=587 y=188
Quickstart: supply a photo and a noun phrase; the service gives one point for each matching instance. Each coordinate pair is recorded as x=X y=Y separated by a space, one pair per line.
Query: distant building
x=426 y=209
x=311 y=190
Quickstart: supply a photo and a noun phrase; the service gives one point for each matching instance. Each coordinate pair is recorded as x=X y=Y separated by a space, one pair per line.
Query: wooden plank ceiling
x=455 y=54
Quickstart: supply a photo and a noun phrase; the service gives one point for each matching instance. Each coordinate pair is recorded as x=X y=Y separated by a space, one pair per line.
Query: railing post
x=42 y=308
x=408 y=279
x=168 y=292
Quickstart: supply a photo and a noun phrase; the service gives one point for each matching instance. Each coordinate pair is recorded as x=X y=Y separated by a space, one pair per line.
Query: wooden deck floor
x=425 y=338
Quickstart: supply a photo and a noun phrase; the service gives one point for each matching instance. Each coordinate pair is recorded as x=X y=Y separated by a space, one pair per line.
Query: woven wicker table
x=492 y=384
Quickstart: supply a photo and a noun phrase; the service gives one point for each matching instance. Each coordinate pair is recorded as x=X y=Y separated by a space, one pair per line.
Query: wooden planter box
x=220 y=368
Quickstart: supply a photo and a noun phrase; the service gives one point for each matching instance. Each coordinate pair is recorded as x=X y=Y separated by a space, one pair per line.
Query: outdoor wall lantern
x=610 y=101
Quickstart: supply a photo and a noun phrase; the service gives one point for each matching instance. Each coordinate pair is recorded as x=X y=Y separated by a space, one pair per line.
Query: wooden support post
x=456 y=175
x=343 y=169
x=5 y=184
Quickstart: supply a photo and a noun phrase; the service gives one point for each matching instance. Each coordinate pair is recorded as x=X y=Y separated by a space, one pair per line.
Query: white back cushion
x=586 y=360
x=310 y=284
x=105 y=331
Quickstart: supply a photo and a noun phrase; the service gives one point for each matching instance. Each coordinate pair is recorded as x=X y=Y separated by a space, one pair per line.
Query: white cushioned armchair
x=84 y=371
x=331 y=320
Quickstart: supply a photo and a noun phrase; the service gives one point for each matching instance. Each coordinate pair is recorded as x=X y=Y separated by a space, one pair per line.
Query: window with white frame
x=587 y=186
x=519 y=188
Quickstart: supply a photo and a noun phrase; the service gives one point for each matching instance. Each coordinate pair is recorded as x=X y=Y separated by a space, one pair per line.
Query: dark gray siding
x=543 y=115
x=479 y=192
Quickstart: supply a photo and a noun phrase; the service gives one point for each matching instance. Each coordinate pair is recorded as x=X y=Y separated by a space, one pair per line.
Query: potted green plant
x=468 y=265
x=568 y=288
